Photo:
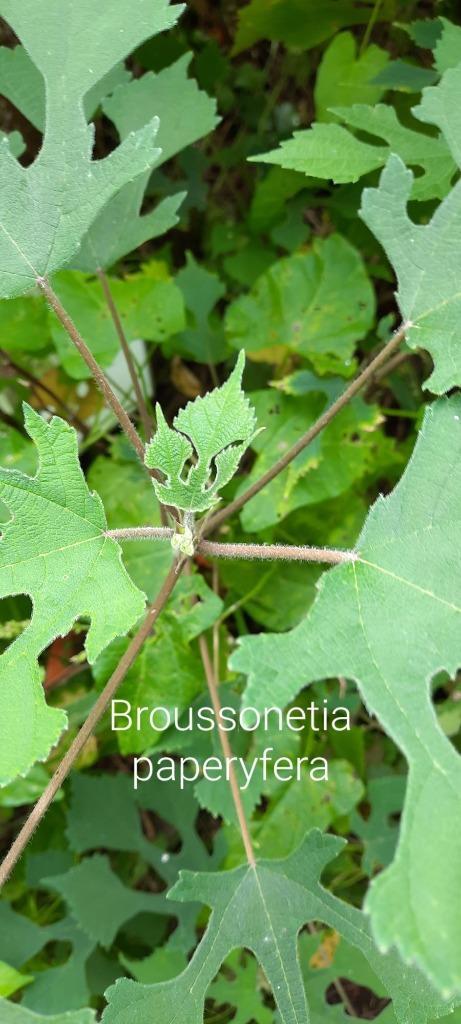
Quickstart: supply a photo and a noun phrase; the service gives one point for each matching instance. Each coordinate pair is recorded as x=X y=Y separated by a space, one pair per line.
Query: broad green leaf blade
x=346 y=75
x=22 y=83
x=11 y=980
x=348 y=448
x=391 y=621
x=331 y=151
x=105 y=814
x=263 y=909
x=301 y=303
x=11 y=1013
x=61 y=987
x=218 y=428
x=425 y=257
x=186 y=114
x=427 y=265
x=98 y=900
x=47 y=208
x=54 y=550
x=300 y=24
x=446 y=51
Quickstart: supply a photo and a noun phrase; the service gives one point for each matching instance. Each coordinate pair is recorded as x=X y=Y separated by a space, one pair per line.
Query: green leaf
x=126 y=493
x=240 y=986
x=399 y=74
x=60 y=988
x=325 y=958
x=23 y=324
x=333 y=152
x=47 y=208
x=12 y=981
x=149 y=304
x=14 y=1014
x=210 y=427
x=425 y=257
x=390 y=620
x=262 y=909
x=54 y=550
x=22 y=83
x=303 y=805
x=186 y=113
x=203 y=340
x=447 y=46
x=98 y=900
x=104 y=814
x=345 y=75
x=300 y=303
x=379 y=832
x=300 y=24
x=348 y=449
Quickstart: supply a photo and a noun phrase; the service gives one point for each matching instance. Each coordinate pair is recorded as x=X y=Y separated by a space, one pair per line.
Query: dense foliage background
x=276 y=261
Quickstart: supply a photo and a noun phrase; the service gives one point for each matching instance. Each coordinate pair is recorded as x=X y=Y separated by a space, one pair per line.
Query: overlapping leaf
x=425 y=257
x=317 y=303
x=47 y=208
x=390 y=620
x=185 y=113
x=262 y=909
x=54 y=550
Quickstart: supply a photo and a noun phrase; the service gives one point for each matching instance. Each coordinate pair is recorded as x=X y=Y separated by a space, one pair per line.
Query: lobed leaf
x=215 y=431
x=390 y=620
x=54 y=550
x=263 y=908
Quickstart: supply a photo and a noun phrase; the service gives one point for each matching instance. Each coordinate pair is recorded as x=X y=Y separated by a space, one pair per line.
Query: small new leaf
x=202 y=453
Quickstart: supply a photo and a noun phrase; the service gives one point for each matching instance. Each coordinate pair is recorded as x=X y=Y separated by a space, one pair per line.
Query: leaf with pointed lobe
x=54 y=550
x=216 y=429
x=390 y=621
x=263 y=908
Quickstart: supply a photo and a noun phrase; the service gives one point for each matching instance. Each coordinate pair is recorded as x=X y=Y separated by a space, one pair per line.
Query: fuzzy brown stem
x=142 y=407
x=89 y=725
x=317 y=427
x=227 y=751
x=88 y=357
x=266 y=552
x=275 y=552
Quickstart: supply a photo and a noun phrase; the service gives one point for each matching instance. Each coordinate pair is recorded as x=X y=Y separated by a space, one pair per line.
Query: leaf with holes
x=390 y=620
x=262 y=908
x=212 y=434
x=47 y=208
x=55 y=551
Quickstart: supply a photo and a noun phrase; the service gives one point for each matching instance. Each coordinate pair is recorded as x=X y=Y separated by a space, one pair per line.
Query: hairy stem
x=275 y=552
x=266 y=552
x=142 y=407
x=366 y=374
x=227 y=751
x=89 y=725
x=88 y=357
x=141 y=533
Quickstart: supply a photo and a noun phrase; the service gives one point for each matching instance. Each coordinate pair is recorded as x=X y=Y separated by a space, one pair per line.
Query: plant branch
x=275 y=552
x=266 y=552
x=39 y=386
x=227 y=751
x=88 y=357
x=366 y=374
x=141 y=533
x=142 y=407
x=89 y=725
